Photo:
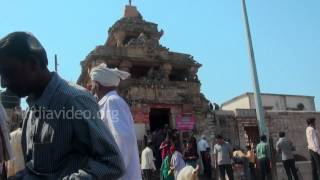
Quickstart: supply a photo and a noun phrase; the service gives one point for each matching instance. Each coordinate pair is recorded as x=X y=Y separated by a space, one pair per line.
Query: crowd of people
x=100 y=142
x=218 y=155
x=221 y=159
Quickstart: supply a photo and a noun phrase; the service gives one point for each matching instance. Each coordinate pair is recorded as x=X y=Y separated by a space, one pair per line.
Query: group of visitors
x=100 y=142
x=235 y=163
x=175 y=156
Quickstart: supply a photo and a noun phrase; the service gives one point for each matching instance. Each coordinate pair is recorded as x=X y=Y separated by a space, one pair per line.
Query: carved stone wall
x=219 y=122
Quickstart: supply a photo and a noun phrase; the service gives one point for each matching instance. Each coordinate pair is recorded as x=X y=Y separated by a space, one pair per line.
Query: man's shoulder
x=280 y=141
x=68 y=96
x=309 y=129
x=115 y=99
x=216 y=146
x=145 y=151
x=72 y=91
x=260 y=145
x=149 y=151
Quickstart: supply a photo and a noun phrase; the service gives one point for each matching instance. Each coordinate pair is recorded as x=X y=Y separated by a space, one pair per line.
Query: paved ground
x=156 y=176
x=304 y=169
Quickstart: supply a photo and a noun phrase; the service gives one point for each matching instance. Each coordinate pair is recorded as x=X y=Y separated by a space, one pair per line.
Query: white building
x=281 y=102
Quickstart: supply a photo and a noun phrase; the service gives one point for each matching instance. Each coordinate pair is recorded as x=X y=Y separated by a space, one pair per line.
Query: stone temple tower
x=164 y=88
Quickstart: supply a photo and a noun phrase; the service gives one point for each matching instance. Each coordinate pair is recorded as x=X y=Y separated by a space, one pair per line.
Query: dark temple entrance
x=158 y=118
x=253 y=135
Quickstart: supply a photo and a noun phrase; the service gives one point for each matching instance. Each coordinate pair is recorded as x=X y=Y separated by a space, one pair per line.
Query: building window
x=300 y=107
x=267 y=108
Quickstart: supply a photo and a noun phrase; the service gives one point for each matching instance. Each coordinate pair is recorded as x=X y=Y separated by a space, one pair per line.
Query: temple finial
x=130 y=2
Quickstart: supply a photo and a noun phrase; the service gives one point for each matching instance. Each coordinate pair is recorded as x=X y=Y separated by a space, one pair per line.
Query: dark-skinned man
x=63 y=136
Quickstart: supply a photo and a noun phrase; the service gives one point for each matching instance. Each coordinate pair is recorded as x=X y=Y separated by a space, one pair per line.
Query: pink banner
x=185 y=122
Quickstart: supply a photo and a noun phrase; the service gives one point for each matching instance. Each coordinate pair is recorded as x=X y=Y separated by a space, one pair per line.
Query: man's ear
x=97 y=86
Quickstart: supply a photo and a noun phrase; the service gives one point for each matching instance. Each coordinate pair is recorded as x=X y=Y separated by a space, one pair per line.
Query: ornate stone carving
x=140 y=41
x=119 y=38
x=166 y=68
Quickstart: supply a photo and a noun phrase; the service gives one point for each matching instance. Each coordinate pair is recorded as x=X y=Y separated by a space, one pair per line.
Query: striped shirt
x=63 y=136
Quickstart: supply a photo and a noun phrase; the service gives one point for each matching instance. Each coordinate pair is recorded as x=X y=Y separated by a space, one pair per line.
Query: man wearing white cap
x=116 y=115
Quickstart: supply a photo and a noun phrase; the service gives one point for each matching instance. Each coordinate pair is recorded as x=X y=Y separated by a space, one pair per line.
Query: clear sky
x=286 y=36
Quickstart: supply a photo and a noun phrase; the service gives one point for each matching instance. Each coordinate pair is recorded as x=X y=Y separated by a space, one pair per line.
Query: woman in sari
x=166 y=173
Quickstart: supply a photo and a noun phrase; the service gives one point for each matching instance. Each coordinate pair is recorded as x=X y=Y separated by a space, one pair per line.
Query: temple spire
x=131 y=11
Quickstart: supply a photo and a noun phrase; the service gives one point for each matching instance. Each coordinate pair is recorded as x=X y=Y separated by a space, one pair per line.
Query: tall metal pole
x=257 y=96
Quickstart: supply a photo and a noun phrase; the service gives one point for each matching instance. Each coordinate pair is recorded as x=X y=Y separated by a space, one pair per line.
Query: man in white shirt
x=286 y=148
x=314 y=148
x=203 y=148
x=222 y=152
x=203 y=144
x=177 y=163
x=116 y=115
x=16 y=166
x=147 y=162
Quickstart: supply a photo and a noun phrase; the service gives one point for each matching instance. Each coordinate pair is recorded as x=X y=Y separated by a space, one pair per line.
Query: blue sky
x=286 y=37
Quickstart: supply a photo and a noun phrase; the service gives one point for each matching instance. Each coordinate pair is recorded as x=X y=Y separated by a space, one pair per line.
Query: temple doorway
x=252 y=135
x=159 y=117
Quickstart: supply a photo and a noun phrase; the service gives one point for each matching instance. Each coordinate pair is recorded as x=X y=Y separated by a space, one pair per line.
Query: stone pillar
x=166 y=68
x=125 y=66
